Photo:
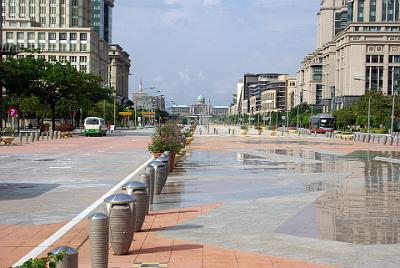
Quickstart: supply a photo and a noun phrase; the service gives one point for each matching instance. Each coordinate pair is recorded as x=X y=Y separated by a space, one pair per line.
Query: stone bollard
x=47 y=135
x=150 y=170
x=70 y=259
x=99 y=237
x=368 y=138
x=160 y=173
x=385 y=140
x=33 y=136
x=38 y=136
x=233 y=132
x=138 y=191
x=20 y=137
x=26 y=137
x=165 y=159
x=229 y=131
x=59 y=135
x=52 y=135
x=121 y=212
x=145 y=179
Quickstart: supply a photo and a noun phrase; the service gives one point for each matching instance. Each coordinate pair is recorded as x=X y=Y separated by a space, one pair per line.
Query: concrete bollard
x=165 y=159
x=145 y=179
x=52 y=135
x=20 y=137
x=37 y=136
x=33 y=136
x=70 y=259
x=121 y=212
x=160 y=173
x=47 y=135
x=150 y=171
x=138 y=191
x=99 y=237
x=26 y=137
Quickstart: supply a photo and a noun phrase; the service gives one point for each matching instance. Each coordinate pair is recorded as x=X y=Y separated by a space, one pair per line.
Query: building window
x=82 y=47
x=83 y=36
x=9 y=35
x=72 y=58
x=350 y=10
x=52 y=47
x=82 y=68
x=31 y=36
x=374 y=77
x=72 y=47
x=72 y=36
x=63 y=58
x=52 y=36
x=42 y=46
x=42 y=57
x=82 y=59
x=360 y=17
x=393 y=79
x=372 y=10
x=63 y=36
x=31 y=46
x=394 y=59
x=374 y=59
x=52 y=58
x=42 y=35
x=63 y=47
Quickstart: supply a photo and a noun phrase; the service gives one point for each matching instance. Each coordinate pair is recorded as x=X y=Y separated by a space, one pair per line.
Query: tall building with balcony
x=358 y=48
x=119 y=67
x=56 y=30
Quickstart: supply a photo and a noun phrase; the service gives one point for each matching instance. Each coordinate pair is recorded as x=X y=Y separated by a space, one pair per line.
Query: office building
x=358 y=50
x=58 y=30
x=119 y=70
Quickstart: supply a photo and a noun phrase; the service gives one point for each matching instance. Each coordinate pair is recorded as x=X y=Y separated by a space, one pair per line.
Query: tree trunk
x=2 y=108
x=53 y=116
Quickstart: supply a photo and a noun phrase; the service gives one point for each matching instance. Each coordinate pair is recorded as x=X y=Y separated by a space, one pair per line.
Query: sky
x=185 y=48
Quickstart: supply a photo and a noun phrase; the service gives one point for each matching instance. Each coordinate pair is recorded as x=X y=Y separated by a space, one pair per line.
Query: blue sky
x=189 y=47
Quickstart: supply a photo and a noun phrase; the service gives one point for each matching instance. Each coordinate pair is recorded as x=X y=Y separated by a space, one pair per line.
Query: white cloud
x=211 y=3
x=200 y=76
x=184 y=76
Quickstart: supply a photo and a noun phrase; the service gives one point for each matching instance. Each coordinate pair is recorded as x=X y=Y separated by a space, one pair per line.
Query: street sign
x=125 y=113
x=148 y=113
x=12 y=112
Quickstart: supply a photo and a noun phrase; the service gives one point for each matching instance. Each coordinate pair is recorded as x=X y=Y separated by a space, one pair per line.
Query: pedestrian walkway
x=256 y=202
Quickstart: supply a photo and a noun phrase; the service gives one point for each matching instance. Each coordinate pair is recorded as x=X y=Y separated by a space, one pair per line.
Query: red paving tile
x=147 y=246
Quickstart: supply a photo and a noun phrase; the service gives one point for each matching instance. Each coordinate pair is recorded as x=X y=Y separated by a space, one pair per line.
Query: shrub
x=167 y=137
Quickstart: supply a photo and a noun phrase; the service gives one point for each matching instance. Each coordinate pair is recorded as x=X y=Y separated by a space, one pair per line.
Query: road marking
x=57 y=235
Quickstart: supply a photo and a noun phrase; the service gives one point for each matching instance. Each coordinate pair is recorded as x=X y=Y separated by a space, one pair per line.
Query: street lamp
x=108 y=81
x=369 y=103
x=392 y=121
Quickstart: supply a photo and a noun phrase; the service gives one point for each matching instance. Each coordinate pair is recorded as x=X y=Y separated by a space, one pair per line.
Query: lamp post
x=108 y=81
x=393 y=106
x=369 y=104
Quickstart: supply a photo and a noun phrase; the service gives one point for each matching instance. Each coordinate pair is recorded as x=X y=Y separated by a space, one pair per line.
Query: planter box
x=7 y=139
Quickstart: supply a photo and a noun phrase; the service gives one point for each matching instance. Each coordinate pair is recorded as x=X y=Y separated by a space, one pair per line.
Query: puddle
x=359 y=198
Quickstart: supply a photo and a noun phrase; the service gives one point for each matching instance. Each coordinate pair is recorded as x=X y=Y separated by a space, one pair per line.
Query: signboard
x=125 y=113
x=149 y=114
x=12 y=112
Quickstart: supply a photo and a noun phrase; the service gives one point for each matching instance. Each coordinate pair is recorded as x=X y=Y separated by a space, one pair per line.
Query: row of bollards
x=125 y=215
x=377 y=138
x=38 y=136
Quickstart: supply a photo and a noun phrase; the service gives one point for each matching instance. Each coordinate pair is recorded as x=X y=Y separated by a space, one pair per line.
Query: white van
x=95 y=126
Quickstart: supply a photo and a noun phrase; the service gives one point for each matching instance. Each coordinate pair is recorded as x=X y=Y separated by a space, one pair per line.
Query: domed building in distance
x=199 y=110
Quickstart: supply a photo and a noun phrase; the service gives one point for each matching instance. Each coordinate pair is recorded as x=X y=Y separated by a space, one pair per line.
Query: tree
x=52 y=83
x=345 y=117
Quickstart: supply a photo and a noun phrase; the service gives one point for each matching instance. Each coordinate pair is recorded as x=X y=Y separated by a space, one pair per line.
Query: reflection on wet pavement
x=359 y=198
